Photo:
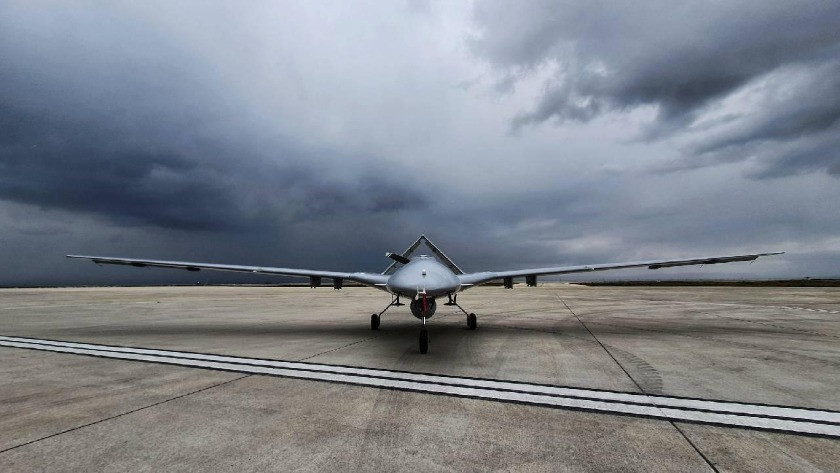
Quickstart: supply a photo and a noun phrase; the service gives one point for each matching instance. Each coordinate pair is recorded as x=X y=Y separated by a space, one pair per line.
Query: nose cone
x=410 y=280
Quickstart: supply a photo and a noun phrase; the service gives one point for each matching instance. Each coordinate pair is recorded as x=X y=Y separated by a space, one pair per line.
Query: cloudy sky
x=322 y=134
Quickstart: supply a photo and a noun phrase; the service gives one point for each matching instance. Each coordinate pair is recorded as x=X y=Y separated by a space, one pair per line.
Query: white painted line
x=779 y=418
x=661 y=401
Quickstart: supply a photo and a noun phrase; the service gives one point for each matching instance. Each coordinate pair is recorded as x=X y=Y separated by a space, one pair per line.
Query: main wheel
x=472 y=322
x=424 y=341
x=374 y=321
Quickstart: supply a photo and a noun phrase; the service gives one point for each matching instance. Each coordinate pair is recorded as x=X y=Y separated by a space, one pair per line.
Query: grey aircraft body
x=422 y=279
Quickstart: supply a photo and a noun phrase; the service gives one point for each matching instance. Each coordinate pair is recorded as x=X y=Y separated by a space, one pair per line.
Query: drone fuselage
x=423 y=275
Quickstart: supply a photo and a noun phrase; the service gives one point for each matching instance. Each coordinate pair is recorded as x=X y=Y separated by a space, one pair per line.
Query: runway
x=757 y=416
x=556 y=377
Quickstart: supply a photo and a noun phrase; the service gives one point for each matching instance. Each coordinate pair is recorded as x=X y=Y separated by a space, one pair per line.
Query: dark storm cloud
x=49 y=162
x=52 y=161
x=808 y=155
x=809 y=106
x=147 y=139
x=679 y=57
x=122 y=134
x=795 y=130
x=289 y=134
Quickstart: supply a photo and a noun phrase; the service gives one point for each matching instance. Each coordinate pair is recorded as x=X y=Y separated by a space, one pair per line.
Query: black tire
x=374 y=322
x=472 y=322
x=424 y=341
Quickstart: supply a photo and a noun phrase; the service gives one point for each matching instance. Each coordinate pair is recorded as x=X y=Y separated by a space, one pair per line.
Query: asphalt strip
x=785 y=419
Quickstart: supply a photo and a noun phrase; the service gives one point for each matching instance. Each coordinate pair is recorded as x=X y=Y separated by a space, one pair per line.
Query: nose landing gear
x=424 y=334
x=424 y=338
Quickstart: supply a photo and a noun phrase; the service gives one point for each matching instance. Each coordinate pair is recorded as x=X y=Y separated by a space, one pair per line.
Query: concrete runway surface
x=558 y=377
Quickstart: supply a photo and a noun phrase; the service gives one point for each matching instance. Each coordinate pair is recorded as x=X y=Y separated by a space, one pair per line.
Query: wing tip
x=772 y=253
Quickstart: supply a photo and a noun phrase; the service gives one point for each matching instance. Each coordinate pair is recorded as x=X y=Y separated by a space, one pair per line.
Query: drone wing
x=471 y=279
x=369 y=279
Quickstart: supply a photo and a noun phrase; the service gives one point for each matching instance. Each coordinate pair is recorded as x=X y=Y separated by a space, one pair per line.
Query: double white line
x=732 y=414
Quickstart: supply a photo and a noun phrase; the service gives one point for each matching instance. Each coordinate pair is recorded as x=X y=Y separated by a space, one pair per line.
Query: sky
x=320 y=135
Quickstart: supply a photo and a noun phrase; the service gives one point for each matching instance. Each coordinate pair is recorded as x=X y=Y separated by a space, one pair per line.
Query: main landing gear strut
x=374 y=318
x=472 y=321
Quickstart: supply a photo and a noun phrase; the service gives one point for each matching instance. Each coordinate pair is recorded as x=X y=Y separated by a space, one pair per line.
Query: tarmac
x=559 y=377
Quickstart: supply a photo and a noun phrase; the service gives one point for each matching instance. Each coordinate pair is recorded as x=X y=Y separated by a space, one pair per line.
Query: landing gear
x=424 y=340
x=423 y=307
x=375 y=318
x=472 y=321
x=424 y=313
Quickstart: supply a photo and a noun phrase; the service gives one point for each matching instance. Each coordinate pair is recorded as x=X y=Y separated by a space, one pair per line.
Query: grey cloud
x=770 y=159
x=821 y=152
x=326 y=143
x=788 y=111
x=145 y=139
x=679 y=57
x=92 y=167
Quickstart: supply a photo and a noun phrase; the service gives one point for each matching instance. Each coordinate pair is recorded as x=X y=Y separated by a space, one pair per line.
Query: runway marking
x=732 y=414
